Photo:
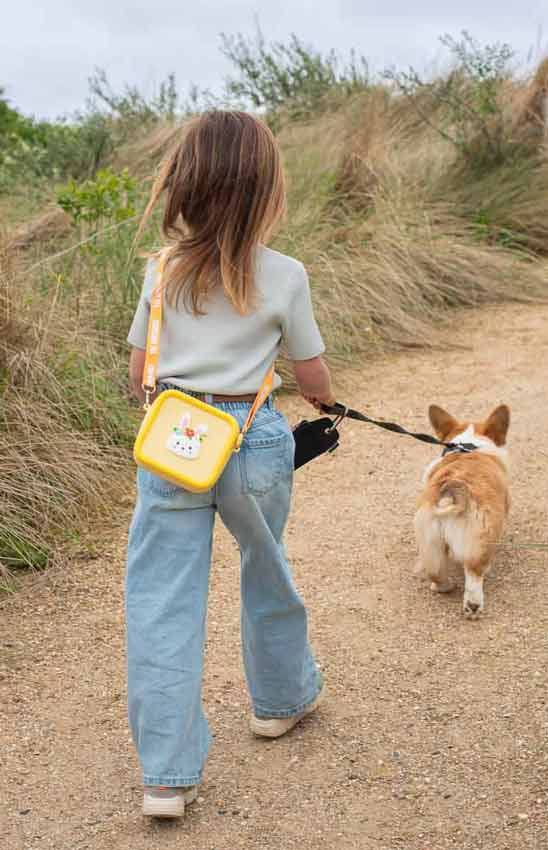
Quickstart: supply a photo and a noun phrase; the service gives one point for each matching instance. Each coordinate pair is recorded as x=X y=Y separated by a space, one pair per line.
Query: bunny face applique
x=185 y=441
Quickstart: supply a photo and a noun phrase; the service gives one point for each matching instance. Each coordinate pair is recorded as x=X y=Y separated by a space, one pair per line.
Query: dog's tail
x=453 y=499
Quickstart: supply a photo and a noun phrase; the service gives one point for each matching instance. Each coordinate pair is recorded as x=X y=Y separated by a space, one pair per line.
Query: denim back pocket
x=267 y=455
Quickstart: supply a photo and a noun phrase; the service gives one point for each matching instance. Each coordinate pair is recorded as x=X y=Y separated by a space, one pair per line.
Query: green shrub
x=464 y=107
x=11 y=121
x=78 y=145
x=290 y=76
x=131 y=107
x=55 y=150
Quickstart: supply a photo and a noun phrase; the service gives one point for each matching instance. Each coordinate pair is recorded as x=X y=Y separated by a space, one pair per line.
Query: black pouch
x=313 y=439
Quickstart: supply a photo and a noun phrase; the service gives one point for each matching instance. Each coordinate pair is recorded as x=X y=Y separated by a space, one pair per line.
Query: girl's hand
x=318 y=402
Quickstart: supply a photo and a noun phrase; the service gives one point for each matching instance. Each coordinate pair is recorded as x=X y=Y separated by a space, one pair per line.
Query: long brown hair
x=225 y=193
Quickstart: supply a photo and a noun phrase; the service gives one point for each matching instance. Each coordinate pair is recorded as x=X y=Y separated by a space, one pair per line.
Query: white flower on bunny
x=185 y=441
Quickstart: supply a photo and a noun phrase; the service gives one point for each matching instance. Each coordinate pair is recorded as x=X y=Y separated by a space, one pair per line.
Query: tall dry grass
x=54 y=474
x=405 y=231
x=394 y=229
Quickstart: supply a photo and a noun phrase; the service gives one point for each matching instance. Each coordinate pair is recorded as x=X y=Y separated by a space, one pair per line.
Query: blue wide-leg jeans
x=169 y=555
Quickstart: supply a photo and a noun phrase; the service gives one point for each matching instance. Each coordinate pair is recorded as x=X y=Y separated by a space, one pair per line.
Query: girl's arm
x=136 y=364
x=314 y=381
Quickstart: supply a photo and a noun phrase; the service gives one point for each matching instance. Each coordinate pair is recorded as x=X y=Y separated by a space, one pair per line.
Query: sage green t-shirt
x=224 y=352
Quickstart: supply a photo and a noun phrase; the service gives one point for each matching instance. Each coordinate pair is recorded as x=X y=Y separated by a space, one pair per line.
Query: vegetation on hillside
x=408 y=197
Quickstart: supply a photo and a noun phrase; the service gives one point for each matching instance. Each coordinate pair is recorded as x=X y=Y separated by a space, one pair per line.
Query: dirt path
x=434 y=734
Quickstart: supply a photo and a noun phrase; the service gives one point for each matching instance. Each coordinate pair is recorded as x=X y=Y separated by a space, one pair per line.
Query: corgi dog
x=464 y=503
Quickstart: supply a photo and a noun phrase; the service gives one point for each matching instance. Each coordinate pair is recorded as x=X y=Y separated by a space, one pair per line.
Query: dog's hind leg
x=434 y=559
x=473 y=602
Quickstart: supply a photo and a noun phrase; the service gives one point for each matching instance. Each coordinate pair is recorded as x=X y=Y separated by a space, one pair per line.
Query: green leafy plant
x=107 y=197
x=99 y=209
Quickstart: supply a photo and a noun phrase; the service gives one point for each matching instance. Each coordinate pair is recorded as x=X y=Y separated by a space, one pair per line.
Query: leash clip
x=148 y=391
x=338 y=419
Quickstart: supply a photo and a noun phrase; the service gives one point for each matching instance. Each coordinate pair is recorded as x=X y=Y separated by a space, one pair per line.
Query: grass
x=63 y=426
x=396 y=231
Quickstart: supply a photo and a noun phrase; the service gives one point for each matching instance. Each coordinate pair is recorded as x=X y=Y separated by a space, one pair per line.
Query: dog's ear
x=442 y=422
x=496 y=426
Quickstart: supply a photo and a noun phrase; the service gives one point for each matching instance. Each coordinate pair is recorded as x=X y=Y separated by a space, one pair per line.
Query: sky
x=49 y=49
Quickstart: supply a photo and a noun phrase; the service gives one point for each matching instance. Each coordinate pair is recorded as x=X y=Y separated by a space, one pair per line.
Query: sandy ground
x=434 y=733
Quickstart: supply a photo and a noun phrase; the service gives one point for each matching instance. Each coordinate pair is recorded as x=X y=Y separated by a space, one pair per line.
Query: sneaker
x=160 y=801
x=274 y=727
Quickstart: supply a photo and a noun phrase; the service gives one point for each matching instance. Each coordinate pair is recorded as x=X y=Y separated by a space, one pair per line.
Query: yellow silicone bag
x=182 y=439
x=186 y=441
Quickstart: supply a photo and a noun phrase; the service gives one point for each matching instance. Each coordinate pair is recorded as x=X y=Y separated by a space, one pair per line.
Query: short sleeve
x=300 y=331
x=138 y=331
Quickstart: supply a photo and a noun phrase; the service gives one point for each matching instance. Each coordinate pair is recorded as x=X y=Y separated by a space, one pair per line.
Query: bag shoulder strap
x=152 y=354
x=264 y=391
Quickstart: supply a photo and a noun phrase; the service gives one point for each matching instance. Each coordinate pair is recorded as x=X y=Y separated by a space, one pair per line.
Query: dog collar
x=463 y=448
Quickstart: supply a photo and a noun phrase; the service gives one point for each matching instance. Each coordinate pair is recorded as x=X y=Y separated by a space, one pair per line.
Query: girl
x=229 y=303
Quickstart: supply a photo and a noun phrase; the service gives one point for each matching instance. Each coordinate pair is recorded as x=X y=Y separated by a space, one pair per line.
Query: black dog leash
x=342 y=412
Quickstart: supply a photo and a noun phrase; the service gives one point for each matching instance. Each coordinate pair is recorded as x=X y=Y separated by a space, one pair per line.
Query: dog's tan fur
x=464 y=504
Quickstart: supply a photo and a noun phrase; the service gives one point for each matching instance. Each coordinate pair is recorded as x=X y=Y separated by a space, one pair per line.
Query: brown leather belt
x=216 y=397
x=220 y=398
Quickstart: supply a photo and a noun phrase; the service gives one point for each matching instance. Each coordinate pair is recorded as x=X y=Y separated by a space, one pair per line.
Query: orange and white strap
x=264 y=391
x=152 y=354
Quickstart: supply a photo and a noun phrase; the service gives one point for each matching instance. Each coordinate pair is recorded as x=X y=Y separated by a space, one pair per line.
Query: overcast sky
x=49 y=48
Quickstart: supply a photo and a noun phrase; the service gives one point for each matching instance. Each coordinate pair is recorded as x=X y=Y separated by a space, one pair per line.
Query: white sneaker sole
x=174 y=807
x=274 y=727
